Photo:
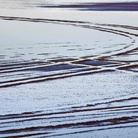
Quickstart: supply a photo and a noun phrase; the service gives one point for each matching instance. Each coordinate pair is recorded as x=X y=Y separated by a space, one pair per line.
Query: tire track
x=101 y=61
x=106 y=114
x=88 y=117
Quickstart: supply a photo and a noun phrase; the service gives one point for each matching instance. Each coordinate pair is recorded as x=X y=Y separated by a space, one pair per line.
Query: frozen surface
x=68 y=72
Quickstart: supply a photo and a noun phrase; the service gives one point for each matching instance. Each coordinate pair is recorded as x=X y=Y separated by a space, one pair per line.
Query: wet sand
x=68 y=76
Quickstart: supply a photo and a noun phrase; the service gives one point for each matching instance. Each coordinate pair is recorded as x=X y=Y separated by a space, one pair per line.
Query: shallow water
x=67 y=72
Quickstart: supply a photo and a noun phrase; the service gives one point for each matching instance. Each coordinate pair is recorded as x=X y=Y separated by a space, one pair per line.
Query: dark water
x=68 y=72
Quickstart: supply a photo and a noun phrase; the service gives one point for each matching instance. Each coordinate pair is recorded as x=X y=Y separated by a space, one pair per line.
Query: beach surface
x=68 y=69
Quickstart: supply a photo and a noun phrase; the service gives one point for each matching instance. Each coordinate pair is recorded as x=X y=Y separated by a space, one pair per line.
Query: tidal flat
x=68 y=71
